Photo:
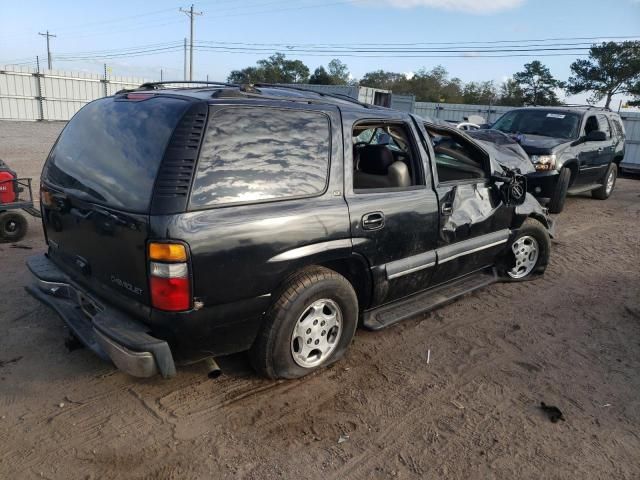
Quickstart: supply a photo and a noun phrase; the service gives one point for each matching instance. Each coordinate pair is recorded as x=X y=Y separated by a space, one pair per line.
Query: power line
x=525 y=43
x=342 y=50
x=469 y=55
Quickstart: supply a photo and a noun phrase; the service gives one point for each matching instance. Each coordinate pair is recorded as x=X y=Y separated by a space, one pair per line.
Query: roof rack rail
x=324 y=94
x=156 y=85
x=587 y=106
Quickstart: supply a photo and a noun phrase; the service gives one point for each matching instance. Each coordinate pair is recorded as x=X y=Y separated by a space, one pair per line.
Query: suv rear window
x=111 y=150
x=257 y=154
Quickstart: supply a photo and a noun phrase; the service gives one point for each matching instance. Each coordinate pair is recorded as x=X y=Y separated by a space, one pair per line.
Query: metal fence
x=459 y=112
x=26 y=94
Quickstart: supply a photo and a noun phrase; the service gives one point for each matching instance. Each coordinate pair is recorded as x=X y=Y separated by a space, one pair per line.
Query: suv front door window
x=394 y=217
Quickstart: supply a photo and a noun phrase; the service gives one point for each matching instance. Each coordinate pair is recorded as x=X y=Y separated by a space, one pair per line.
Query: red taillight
x=170 y=286
x=171 y=294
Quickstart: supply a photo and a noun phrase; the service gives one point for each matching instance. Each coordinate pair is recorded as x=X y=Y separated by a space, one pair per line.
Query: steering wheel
x=467 y=126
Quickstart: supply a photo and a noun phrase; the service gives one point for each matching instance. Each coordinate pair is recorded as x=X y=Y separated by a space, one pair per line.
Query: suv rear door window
x=257 y=154
x=111 y=150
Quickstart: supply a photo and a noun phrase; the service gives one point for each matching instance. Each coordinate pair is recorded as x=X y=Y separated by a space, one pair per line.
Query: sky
x=83 y=27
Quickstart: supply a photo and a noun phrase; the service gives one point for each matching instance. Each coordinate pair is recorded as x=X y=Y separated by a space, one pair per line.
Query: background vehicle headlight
x=544 y=162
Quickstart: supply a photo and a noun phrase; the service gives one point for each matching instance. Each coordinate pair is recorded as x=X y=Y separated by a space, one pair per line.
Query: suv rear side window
x=111 y=150
x=257 y=154
x=617 y=127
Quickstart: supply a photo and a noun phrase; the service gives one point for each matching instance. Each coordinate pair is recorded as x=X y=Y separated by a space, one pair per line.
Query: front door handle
x=446 y=209
x=373 y=221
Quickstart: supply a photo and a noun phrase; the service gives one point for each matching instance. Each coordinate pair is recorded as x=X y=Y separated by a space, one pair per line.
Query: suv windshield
x=556 y=124
x=111 y=150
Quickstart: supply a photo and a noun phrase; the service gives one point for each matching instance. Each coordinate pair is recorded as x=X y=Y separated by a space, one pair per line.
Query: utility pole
x=190 y=13
x=48 y=35
x=185 y=59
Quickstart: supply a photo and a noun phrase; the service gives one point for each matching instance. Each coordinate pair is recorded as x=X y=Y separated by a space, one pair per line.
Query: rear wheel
x=310 y=325
x=556 y=205
x=13 y=226
x=528 y=252
x=609 y=183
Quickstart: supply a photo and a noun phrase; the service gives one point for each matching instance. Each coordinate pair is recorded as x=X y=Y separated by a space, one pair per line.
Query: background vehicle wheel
x=13 y=227
x=528 y=252
x=310 y=325
x=605 y=190
x=560 y=193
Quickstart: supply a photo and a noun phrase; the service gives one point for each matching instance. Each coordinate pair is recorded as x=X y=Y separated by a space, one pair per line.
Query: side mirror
x=595 y=136
x=485 y=126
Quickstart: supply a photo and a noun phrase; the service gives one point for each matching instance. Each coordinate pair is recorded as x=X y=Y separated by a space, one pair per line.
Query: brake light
x=169 y=283
x=138 y=97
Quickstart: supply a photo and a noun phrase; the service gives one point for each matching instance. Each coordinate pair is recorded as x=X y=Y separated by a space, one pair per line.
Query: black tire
x=271 y=354
x=13 y=227
x=556 y=204
x=603 y=193
x=531 y=228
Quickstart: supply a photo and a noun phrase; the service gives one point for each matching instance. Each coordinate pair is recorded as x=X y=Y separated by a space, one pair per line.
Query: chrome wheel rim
x=316 y=333
x=611 y=179
x=526 y=252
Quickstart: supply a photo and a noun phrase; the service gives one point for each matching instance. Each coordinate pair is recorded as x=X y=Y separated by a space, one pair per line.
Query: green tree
x=612 y=68
x=511 y=94
x=381 y=79
x=427 y=85
x=338 y=74
x=482 y=93
x=635 y=92
x=275 y=69
x=537 y=84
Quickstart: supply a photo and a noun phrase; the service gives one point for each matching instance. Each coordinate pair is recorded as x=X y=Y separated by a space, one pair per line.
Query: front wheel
x=556 y=204
x=310 y=325
x=528 y=252
x=605 y=190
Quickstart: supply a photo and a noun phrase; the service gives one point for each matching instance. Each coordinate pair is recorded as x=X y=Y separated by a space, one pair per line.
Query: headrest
x=375 y=159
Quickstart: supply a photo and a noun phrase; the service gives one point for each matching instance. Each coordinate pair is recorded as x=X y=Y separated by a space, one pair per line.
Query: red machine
x=7 y=186
x=15 y=194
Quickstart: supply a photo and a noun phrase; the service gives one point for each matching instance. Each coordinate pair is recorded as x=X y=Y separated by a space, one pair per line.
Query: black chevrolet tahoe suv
x=574 y=149
x=188 y=223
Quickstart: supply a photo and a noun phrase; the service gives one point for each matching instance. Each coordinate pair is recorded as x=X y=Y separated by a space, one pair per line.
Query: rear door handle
x=446 y=209
x=373 y=221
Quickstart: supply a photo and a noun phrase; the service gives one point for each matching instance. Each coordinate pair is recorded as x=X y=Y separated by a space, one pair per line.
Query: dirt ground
x=570 y=339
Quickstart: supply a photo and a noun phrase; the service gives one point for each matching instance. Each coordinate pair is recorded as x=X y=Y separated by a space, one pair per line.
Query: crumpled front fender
x=532 y=208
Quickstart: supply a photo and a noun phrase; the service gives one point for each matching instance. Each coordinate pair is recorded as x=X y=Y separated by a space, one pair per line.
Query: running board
x=395 y=312
x=584 y=188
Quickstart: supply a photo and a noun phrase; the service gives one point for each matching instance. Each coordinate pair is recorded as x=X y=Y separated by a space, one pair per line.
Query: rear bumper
x=542 y=184
x=109 y=333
